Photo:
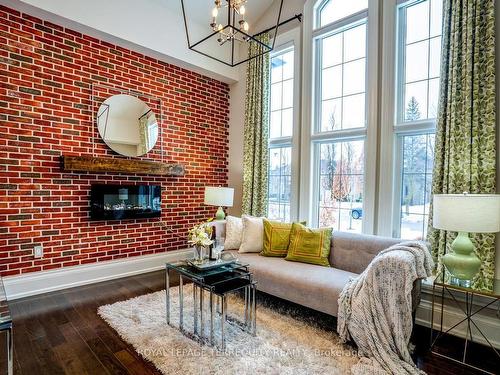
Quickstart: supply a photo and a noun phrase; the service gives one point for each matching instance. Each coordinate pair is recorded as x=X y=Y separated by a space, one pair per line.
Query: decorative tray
x=211 y=264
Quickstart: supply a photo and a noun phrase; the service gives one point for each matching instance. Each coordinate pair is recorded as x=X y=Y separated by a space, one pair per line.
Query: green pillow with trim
x=309 y=245
x=276 y=238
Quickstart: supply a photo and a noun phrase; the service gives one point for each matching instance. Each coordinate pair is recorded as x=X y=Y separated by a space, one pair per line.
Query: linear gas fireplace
x=118 y=202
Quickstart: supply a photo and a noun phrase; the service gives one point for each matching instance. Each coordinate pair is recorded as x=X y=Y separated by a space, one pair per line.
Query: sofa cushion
x=353 y=251
x=234 y=232
x=253 y=234
x=306 y=284
x=276 y=238
x=309 y=245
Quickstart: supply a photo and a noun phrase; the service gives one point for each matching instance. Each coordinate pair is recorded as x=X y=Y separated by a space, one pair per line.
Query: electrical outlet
x=38 y=251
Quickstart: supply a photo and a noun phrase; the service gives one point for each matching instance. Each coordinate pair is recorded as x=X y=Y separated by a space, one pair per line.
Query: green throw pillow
x=276 y=238
x=309 y=245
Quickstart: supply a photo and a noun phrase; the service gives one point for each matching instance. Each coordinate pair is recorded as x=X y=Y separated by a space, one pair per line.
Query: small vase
x=199 y=254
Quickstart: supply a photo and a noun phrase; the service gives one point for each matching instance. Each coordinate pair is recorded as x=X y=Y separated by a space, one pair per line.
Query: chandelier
x=219 y=29
x=237 y=7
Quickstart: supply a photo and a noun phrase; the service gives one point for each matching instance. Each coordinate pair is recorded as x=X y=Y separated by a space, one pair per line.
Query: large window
x=339 y=134
x=280 y=134
x=419 y=47
x=361 y=157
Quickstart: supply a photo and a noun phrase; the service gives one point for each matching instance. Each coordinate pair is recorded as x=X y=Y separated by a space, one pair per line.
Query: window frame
x=285 y=42
x=403 y=128
x=310 y=138
x=392 y=129
x=383 y=133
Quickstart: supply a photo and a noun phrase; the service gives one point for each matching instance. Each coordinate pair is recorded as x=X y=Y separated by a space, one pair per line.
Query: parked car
x=357 y=213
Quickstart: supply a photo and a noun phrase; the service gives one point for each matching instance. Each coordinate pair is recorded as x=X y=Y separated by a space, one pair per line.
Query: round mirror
x=127 y=125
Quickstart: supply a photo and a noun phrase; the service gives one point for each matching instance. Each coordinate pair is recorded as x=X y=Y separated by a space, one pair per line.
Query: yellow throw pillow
x=309 y=245
x=276 y=238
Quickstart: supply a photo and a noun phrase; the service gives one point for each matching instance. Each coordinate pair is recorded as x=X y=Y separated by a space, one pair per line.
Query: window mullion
x=344 y=22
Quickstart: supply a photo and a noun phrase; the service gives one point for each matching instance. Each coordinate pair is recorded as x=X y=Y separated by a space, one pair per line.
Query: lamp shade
x=219 y=196
x=474 y=213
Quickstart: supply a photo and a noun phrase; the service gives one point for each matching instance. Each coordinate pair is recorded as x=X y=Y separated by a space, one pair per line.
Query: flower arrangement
x=200 y=235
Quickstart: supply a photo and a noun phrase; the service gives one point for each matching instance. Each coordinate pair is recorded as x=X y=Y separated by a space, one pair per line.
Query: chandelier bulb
x=215 y=12
x=242 y=10
x=246 y=26
x=220 y=27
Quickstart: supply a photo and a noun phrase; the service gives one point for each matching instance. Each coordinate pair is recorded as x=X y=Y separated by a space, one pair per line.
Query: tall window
x=419 y=46
x=280 y=134
x=339 y=113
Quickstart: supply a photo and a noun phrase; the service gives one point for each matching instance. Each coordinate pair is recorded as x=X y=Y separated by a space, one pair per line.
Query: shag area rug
x=285 y=343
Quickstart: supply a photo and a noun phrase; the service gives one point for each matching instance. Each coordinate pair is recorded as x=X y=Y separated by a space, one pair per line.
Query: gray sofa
x=314 y=286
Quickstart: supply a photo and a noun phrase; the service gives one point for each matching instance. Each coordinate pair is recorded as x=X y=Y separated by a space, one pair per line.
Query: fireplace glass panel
x=117 y=202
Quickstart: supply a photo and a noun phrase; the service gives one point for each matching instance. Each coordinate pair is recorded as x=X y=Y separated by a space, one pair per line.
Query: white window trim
x=387 y=165
x=285 y=41
x=370 y=133
x=392 y=128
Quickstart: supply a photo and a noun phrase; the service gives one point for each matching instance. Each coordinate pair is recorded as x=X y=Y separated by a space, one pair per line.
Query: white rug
x=283 y=345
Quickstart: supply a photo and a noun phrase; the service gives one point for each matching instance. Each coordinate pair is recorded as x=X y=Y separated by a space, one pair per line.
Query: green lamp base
x=462 y=263
x=220 y=215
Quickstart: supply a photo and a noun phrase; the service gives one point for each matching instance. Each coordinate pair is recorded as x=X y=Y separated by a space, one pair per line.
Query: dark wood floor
x=60 y=332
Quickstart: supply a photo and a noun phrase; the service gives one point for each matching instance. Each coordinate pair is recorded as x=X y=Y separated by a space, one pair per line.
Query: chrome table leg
x=10 y=350
x=223 y=322
x=246 y=307
x=181 y=303
x=167 y=293
x=254 y=312
x=201 y=313
x=195 y=306
x=211 y=317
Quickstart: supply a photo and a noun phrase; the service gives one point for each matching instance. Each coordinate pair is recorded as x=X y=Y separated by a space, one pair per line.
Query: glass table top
x=495 y=292
x=186 y=269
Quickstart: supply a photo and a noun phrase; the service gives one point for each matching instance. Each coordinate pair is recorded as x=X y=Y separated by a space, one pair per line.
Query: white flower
x=200 y=235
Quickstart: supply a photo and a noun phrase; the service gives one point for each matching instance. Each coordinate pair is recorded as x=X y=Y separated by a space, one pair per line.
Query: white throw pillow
x=253 y=235
x=234 y=231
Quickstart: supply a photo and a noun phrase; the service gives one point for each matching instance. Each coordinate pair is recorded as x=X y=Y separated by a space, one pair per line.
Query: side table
x=472 y=307
x=218 y=282
x=6 y=325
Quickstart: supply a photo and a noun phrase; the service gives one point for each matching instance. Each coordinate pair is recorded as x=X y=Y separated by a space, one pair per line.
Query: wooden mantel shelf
x=100 y=164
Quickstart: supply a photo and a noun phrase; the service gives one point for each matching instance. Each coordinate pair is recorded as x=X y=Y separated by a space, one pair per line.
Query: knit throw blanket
x=375 y=309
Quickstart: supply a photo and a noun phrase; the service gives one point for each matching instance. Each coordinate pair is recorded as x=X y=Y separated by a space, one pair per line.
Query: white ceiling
x=152 y=27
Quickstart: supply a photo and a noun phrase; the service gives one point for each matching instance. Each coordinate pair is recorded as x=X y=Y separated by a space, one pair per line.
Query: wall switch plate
x=38 y=251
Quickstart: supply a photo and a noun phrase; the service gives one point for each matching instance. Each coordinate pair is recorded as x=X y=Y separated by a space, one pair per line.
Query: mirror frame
x=101 y=92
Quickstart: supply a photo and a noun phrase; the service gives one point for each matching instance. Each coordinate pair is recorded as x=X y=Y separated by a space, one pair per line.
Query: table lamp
x=465 y=213
x=221 y=197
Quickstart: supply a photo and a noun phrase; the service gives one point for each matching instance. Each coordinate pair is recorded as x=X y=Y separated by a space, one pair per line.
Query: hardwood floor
x=61 y=333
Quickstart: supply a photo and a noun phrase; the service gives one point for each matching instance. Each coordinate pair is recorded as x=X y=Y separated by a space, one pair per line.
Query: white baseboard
x=487 y=320
x=47 y=281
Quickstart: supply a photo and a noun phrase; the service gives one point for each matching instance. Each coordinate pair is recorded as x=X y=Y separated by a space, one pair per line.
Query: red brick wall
x=46 y=110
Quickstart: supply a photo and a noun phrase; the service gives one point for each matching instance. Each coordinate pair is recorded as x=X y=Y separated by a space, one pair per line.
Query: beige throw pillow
x=234 y=231
x=253 y=235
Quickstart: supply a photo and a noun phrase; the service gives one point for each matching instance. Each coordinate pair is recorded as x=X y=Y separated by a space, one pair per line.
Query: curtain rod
x=296 y=17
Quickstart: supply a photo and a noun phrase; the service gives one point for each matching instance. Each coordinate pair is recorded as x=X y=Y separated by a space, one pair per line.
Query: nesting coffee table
x=218 y=283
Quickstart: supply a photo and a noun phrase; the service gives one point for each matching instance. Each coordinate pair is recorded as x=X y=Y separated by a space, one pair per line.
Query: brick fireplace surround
x=47 y=72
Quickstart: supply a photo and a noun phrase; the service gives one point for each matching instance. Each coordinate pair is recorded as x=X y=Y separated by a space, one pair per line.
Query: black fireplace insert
x=119 y=202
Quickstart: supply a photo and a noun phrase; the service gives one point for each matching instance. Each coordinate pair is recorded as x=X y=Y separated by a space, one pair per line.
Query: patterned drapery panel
x=256 y=132
x=465 y=148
